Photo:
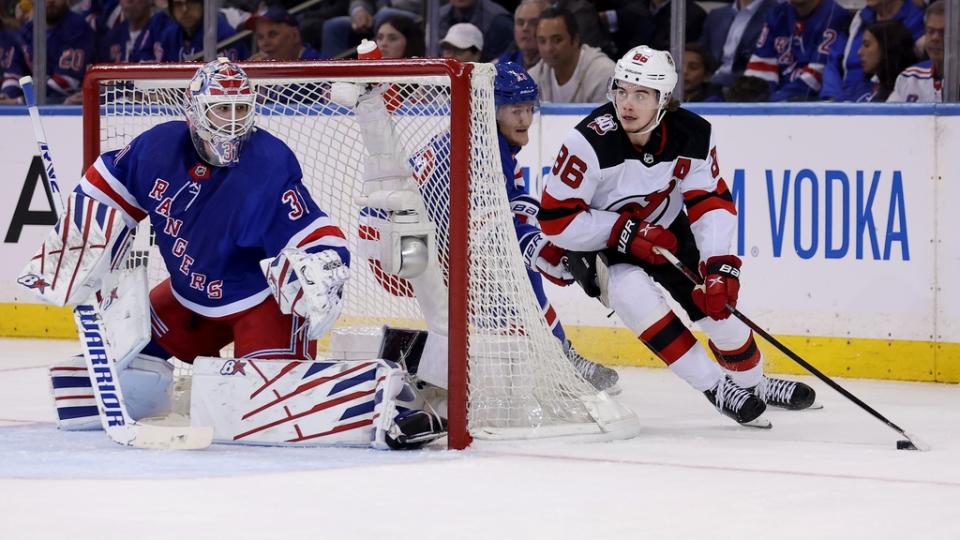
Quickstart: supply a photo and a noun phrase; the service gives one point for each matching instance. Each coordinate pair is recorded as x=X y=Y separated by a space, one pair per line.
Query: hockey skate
x=414 y=429
x=601 y=377
x=791 y=395
x=738 y=403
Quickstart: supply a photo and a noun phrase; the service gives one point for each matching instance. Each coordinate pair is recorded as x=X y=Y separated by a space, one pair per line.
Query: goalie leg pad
x=146 y=383
x=90 y=240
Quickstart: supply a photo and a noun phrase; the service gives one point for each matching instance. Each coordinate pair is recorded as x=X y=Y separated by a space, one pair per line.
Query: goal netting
x=516 y=379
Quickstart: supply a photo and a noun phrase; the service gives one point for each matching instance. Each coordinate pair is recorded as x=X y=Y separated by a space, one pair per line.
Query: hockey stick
x=910 y=443
x=101 y=364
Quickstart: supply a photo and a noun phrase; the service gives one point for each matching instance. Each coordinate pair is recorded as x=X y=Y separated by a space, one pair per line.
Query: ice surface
x=833 y=473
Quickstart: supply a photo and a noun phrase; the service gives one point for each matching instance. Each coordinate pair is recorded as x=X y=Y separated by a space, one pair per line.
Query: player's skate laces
x=600 y=376
x=785 y=394
x=736 y=402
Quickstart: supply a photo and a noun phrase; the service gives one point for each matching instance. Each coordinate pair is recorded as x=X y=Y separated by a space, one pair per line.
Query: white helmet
x=650 y=68
x=218 y=139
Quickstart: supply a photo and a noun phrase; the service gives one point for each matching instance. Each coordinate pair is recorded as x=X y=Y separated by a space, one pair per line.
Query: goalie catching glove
x=721 y=286
x=308 y=285
x=541 y=255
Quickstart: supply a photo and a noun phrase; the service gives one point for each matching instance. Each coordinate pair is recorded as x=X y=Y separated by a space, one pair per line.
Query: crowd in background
x=744 y=51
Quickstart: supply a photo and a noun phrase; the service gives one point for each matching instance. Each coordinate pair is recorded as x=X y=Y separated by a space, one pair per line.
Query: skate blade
x=757 y=423
x=815 y=407
x=614 y=390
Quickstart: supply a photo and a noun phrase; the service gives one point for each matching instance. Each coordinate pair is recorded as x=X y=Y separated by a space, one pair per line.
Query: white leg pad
x=146 y=383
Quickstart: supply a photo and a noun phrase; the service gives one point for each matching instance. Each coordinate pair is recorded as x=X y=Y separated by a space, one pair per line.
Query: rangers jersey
x=70 y=48
x=792 y=50
x=599 y=173
x=173 y=44
x=11 y=64
x=919 y=83
x=213 y=225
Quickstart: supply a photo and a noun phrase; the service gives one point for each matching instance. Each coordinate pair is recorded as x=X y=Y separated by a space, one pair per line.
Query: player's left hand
x=720 y=287
x=545 y=257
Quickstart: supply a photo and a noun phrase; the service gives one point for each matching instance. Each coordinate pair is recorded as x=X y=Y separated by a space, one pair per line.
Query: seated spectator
x=12 y=67
x=462 y=42
x=885 y=50
x=341 y=33
x=181 y=41
x=119 y=41
x=278 y=37
x=523 y=50
x=923 y=82
x=313 y=18
x=70 y=48
x=144 y=46
x=794 y=45
x=592 y=30
x=698 y=66
x=843 y=77
x=491 y=18
x=400 y=37
x=730 y=34
x=647 y=22
x=569 y=71
x=747 y=89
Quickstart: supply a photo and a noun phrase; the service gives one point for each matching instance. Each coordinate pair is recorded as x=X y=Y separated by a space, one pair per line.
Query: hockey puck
x=905 y=445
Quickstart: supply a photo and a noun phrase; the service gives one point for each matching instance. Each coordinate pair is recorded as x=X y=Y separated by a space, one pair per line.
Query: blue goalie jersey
x=213 y=225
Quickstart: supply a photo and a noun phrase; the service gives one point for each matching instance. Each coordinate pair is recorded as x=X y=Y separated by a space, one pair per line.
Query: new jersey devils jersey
x=599 y=173
x=213 y=225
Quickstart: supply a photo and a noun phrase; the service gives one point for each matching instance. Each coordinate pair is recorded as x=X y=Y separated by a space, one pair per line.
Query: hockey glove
x=308 y=285
x=541 y=255
x=634 y=237
x=721 y=286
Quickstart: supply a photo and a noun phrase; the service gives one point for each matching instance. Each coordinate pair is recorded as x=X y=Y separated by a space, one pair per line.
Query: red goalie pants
x=259 y=332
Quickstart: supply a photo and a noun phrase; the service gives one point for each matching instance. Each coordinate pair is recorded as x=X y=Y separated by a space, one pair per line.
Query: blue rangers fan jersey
x=792 y=50
x=213 y=225
x=70 y=48
x=11 y=64
x=173 y=44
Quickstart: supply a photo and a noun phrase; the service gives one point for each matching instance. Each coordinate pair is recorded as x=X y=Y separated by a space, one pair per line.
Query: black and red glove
x=635 y=237
x=721 y=286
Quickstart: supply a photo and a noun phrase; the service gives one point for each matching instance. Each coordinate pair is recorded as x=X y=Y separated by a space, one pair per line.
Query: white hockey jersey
x=598 y=173
x=917 y=84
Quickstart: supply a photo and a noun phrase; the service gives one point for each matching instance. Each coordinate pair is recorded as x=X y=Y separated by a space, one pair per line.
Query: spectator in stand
x=120 y=40
x=923 y=82
x=278 y=37
x=569 y=71
x=12 y=67
x=144 y=45
x=524 y=49
x=698 y=66
x=747 y=89
x=70 y=48
x=647 y=22
x=341 y=33
x=491 y=18
x=180 y=41
x=400 y=37
x=843 y=76
x=794 y=46
x=730 y=34
x=592 y=30
x=462 y=42
x=313 y=19
x=885 y=50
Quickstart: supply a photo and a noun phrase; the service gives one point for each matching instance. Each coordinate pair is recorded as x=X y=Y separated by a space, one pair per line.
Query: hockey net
x=509 y=377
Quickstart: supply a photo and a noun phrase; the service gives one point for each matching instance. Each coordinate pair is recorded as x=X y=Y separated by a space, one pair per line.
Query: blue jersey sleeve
x=285 y=215
x=112 y=179
x=11 y=64
x=833 y=70
x=71 y=47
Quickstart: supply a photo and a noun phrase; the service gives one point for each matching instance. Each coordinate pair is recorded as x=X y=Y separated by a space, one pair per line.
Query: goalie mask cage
x=508 y=375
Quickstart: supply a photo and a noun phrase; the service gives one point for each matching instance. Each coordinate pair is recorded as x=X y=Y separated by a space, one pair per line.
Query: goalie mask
x=649 y=68
x=220 y=111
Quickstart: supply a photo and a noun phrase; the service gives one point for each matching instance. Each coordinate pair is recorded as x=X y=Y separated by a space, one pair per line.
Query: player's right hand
x=545 y=257
x=635 y=237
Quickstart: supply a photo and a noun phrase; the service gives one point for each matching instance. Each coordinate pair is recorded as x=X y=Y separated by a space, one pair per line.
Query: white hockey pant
x=641 y=305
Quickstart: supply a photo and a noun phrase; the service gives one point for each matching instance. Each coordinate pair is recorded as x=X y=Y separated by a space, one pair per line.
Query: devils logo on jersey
x=603 y=124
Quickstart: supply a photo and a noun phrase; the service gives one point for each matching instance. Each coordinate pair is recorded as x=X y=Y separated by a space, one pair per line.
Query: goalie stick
x=911 y=442
x=101 y=364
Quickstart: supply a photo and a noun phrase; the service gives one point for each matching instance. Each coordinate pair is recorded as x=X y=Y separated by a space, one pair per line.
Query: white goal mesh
x=520 y=383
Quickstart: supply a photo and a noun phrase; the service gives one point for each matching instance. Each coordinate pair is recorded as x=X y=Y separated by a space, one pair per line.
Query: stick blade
x=916 y=443
x=172 y=437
